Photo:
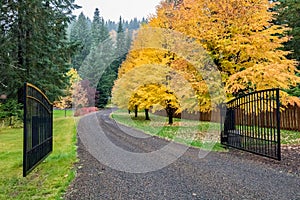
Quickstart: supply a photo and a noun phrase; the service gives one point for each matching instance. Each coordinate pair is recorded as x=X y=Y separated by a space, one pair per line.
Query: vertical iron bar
x=221 y=124
x=51 y=128
x=241 y=122
x=262 y=118
x=252 y=121
x=255 y=96
x=256 y=102
x=242 y=128
x=273 y=124
x=237 y=122
x=25 y=130
x=248 y=122
x=272 y=112
x=262 y=125
x=269 y=127
x=265 y=125
x=261 y=122
x=278 y=124
x=272 y=118
x=264 y=98
x=269 y=124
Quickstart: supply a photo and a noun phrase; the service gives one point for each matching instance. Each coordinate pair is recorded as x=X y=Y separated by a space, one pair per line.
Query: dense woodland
x=254 y=44
x=251 y=43
x=103 y=46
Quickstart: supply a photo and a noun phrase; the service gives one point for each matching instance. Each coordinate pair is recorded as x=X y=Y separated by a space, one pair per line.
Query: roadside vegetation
x=52 y=177
x=190 y=132
x=204 y=135
x=290 y=137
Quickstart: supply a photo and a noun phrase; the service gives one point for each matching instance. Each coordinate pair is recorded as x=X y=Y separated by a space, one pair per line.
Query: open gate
x=252 y=123
x=38 y=127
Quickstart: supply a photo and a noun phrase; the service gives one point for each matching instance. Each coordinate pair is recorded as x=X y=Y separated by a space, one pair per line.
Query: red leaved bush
x=85 y=110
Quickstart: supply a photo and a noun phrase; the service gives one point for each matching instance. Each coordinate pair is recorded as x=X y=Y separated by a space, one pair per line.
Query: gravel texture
x=229 y=175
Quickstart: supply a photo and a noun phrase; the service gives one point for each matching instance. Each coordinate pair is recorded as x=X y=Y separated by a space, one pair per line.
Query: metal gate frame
x=252 y=123
x=38 y=127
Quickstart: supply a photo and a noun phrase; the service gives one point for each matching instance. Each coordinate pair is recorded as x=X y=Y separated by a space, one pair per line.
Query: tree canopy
x=34 y=46
x=182 y=62
x=240 y=37
x=288 y=14
x=240 y=42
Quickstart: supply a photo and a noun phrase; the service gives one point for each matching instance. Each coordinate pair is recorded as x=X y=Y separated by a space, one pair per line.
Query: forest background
x=44 y=44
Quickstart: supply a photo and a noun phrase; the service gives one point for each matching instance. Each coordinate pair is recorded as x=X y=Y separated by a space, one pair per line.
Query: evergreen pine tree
x=110 y=74
x=101 y=66
x=80 y=33
x=288 y=13
x=120 y=39
x=35 y=47
x=9 y=70
x=96 y=28
x=104 y=32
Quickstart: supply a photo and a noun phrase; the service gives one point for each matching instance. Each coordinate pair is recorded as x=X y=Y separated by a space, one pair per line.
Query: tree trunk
x=135 y=111
x=147 y=114
x=170 y=112
x=170 y=118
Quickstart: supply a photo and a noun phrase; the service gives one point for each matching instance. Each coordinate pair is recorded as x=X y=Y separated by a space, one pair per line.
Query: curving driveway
x=109 y=153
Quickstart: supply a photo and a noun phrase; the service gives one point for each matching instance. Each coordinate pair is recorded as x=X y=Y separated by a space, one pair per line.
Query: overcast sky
x=113 y=9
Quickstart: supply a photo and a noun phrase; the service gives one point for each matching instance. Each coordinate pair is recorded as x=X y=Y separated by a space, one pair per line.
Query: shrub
x=11 y=113
x=85 y=110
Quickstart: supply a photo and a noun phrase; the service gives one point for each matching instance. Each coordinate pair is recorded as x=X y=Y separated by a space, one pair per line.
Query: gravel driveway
x=231 y=175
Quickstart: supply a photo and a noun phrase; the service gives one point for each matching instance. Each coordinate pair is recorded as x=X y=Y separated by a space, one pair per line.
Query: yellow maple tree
x=66 y=101
x=240 y=38
x=154 y=96
x=175 y=54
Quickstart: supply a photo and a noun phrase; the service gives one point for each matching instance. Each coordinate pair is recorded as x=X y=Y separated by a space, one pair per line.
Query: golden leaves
x=241 y=39
x=237 y=34
x=73 y=92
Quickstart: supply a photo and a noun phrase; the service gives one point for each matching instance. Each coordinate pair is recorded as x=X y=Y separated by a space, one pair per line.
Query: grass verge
x=289 y=137
x=204 y=135
x=52 y=177
x=179 y=131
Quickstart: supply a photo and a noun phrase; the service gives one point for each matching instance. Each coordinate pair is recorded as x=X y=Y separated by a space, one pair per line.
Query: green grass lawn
x=199 y=134
x=289 y=137
x=51 y=178
x=286 y=137
x=189 y=132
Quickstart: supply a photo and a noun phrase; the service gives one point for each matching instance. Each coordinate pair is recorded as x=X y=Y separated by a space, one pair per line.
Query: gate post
x=223 y=135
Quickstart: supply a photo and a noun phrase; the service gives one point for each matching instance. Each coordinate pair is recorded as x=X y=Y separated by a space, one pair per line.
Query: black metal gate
x=38 y=127
x=252 y=123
